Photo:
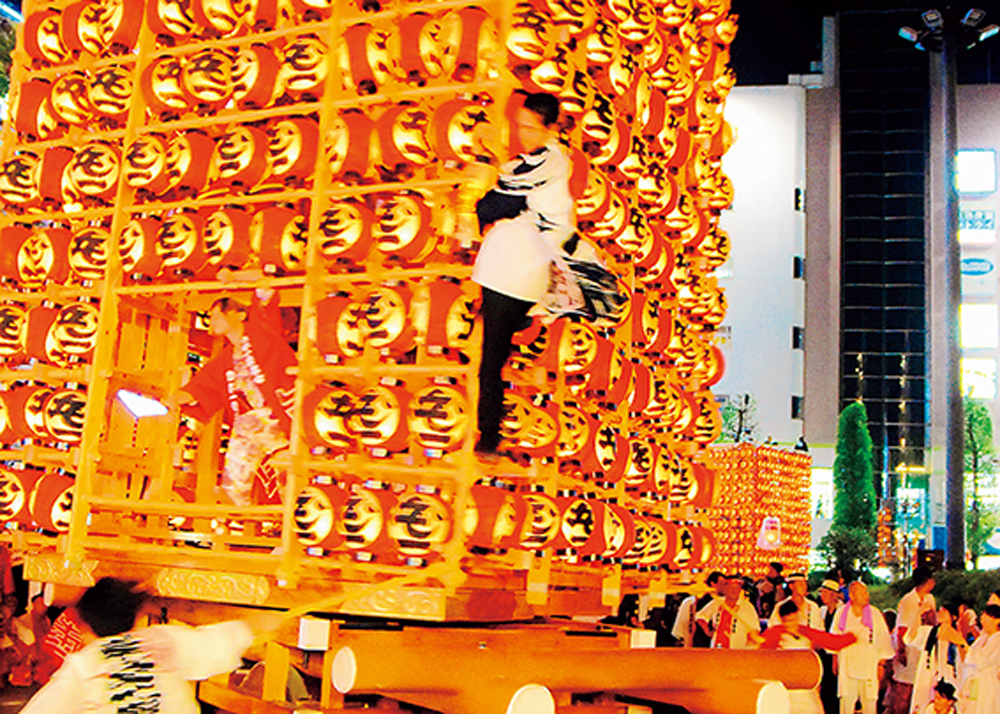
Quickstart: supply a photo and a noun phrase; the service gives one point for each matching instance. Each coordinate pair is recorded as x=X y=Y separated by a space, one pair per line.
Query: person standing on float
x=529 y=214
x=249 y=378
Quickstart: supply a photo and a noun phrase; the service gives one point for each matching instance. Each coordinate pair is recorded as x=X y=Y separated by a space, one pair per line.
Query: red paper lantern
x=93 y=173
x=455 y=121
x=619 y=531
x=240 y=159
x=19 y=180
x=72 y=335
x=385 y=320
x=24 y=409
x=438 y=417
x=161 y=83
x=361 y=519
x=325 y=414
x=378 y=421
x=207 y=79
x=42 y=38
x=63 y=412
x=88 y=252
x=255 y=75
x=70 y=98
x=120 y=24
x=339 y=332
x=419 y=523
x=577 y=431
x=32 y=110
x=179 y=244
x=43 y=256
x=302 y=72
x=15 y=494
x=111 y=91
x=138 y=247
x=170 y=18
x=315 y=516
x=144 y=165
x=402 y=226
x=477 y=38
x=496 y=516
x=219 y=15
x=292 y=150
x=279 y=236
x=51 y=502
x=530 y=423
x=348 y=146
x=346 y=233
x=226 y=238
x=188 y=158
x=13 y=334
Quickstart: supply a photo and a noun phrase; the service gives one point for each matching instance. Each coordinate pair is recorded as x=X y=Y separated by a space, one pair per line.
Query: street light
x=945 y=32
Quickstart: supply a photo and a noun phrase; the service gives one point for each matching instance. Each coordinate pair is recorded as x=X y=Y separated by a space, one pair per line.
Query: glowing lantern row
x=394 y=318
x=43 y=413
x=59 y=336
x=386 y=417
x=36 y=499
x=414 y=523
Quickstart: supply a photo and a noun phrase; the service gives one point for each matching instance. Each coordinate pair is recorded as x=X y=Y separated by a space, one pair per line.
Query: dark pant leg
x=502 y=316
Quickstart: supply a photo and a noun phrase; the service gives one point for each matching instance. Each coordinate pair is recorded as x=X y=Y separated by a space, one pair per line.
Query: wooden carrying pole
x=485 y=680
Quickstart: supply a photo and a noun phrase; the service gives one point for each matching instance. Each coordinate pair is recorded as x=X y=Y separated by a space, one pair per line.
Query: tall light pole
x=943 y=34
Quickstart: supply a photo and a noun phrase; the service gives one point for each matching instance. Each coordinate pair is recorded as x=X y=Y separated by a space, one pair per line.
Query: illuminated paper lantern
x=222 y=16
x=339 y=332
x=179 y=245
x=240 y=159
x=411 y=61
x=402 y=131
x=612 y=451
x=138 y=247
x=385 y=321
x=315 y=516
x=110 y=92
x=63 y=412
x=32 y=110
x=13 y=333
x=577 y=430
x=619 y=531
x=206 y=78
x=635 y=554
x=93 y=173
x=72 y=335
x=254 y=76
x=24 y=409
x=451 y=315
x=279 y=236
x=19 y=180
x=530 y=423
x=292 y=150
x=378 y=420
x=73 y=23
x=51 y=502
x=188 y=158
x=226 y=238
x=325 y=412
x=345 y=233
x=642 y=460
x=419 y=523
x=161 y=84
x=170 y=17
x=641 y=388
x=454 y=123
x=70 y=98
x=365 y=58
x=479 y=44
x=687 y=554
x=42 y=38
x=438 y=417
x=361 y=519
x=120 y=24
x=40 y=320
x=402 y=226
x=495 y=517
x=43 y=256
x=144 y=165
x=88 y=253
x=348 y=146
x=531 y=37
x=15 y=492
x=303 y=67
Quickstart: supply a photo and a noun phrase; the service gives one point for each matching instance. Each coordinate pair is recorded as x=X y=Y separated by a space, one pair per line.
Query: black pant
x=502 y=317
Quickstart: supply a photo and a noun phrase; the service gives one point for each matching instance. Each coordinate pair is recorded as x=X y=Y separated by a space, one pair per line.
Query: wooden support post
x=276 y=661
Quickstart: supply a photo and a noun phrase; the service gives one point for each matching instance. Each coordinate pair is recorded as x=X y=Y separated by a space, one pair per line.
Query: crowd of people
x=922 y=658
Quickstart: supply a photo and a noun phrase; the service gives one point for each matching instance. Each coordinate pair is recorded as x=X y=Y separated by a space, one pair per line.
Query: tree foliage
x=850 y=545
x=854 y=504
x=980 y=462
x=8 y=38
x=739 y=419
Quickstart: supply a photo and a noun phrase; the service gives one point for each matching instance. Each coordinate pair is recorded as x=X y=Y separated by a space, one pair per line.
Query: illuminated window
x=979 y=377
x=979 y=325
x=977 y=226
x=976 y=171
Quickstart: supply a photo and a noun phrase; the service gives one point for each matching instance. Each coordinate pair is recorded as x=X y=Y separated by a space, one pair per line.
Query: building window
x=979 y=377
x=798 y=404
x=976 y=171
x=798 y=267
x=798 y=338
x=980 y=326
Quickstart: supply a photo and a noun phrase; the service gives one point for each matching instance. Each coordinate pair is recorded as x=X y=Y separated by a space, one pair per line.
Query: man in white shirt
x=731 y=621
x=685 y=625
x=809 y=613
x=859 y=664
x=140 y=670
x=916 y=608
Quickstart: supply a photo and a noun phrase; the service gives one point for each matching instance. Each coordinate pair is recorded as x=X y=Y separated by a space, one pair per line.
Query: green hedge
x=972 y=585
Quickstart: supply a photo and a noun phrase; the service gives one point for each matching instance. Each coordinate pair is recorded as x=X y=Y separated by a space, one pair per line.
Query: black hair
x=713 y=577
x=111 y=606
x=228 y=304
x=993 y=611
x=545 y=105
x=945 y=689
x=921 y=575
x=778 y=567
x=952 y=608
x=788 y=607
